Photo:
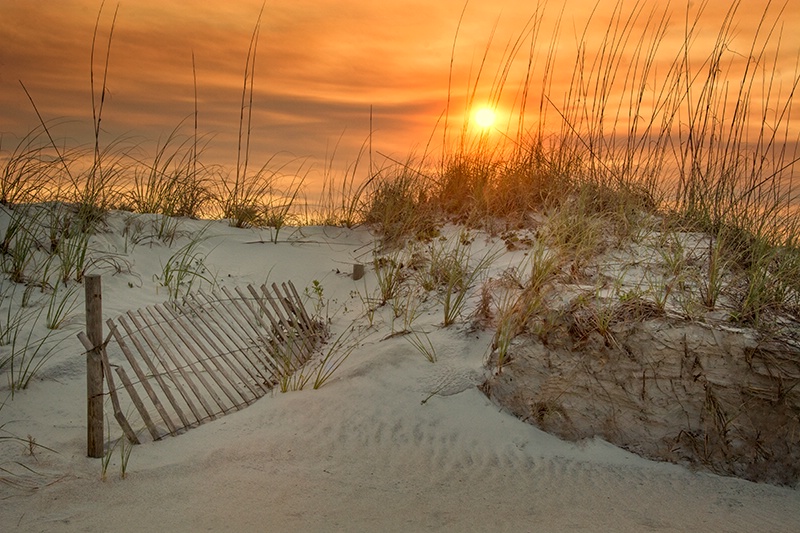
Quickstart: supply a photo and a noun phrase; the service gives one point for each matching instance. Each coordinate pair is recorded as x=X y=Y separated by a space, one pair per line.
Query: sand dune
x=392 y=442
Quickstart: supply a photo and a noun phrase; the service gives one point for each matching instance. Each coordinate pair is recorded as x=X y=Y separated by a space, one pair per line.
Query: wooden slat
x=263 y=337
x=237 y=352
x=290 y=338
x=163 y=354
x=182 y=360
x=312 y=326
x=249 y=317
x=273 y=324
x=287 y=305
x=279 y=326
x=112 y=389
x=218 y=355
x=230 y=321
x=268 y=327
x=142 y=377
x=137 y=402
x=291 y=305
x=194 y=348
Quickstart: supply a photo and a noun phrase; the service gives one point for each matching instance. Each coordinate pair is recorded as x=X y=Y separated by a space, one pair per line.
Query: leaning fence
x=183 y=363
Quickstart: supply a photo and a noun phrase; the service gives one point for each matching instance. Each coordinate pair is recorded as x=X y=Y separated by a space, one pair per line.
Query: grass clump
x=26 y=353
x=185 y=267
x=390 y=274
x=453 y=271
x=397 y=205
x=175 y=184
x=27 y=171
x=423 y=345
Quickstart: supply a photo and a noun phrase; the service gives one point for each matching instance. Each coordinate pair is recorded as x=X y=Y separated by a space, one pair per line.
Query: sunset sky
x=320 y=66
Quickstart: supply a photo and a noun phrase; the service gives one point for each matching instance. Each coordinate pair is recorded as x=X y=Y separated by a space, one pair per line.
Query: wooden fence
x=181 y=364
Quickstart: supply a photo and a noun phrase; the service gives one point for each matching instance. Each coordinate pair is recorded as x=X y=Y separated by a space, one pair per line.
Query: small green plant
x=184 y=268
x=342 y=205
x=126 y=448
x=60 y=304
x=32 y=445
x=58 y=224
x=293 y=379
x=97 y=189
x=673 y=253
x=407 y=307
x=457 y=275
x=293 y=375
x=15 y=474
x=395 y=202
x=26 y=173
x=316 y=293
x=105 y=461
x=423 y=345
x=125 y=451
x=15 y=315
x=26 y=354
x=517 y=309
x=768 y=283
x=711 y=281
x=20 y=244
x=507 y=328
x=659 y=289
x=166 y=228
x=370 y=306
x=577 y=232
x=73 y=254
x=390 y=274
x=368 y=302
x=336 y=354
x=278 y=210
x=172 y=185
x=604 y=313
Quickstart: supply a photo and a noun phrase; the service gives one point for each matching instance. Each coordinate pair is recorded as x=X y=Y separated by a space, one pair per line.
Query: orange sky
x=320 y=66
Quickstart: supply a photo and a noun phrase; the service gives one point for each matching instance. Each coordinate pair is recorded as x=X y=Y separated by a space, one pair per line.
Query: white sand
x=363 y=453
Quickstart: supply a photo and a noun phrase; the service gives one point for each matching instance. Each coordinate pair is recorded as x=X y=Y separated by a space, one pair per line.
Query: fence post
x=94 y=366
x=358 y=271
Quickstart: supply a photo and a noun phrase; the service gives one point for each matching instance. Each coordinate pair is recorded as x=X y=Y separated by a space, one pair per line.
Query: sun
x=485 y=117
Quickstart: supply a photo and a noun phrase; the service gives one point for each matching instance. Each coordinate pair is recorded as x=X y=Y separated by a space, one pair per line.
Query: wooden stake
x=358 y=271
x=94 y=366
x=112 y=391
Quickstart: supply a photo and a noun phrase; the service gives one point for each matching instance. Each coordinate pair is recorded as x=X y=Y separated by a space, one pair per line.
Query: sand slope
x=363 y=453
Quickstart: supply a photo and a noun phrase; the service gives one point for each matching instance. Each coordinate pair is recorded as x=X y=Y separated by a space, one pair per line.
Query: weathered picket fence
x=182 y=364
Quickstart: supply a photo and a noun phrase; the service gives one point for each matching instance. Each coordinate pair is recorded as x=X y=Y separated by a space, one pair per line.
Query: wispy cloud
x=320 y=66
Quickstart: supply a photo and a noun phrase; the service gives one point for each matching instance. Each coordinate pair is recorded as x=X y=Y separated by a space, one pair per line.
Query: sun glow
x=485 y=117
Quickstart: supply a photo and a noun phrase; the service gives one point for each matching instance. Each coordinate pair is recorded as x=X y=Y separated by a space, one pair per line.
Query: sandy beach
x=391 y=442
